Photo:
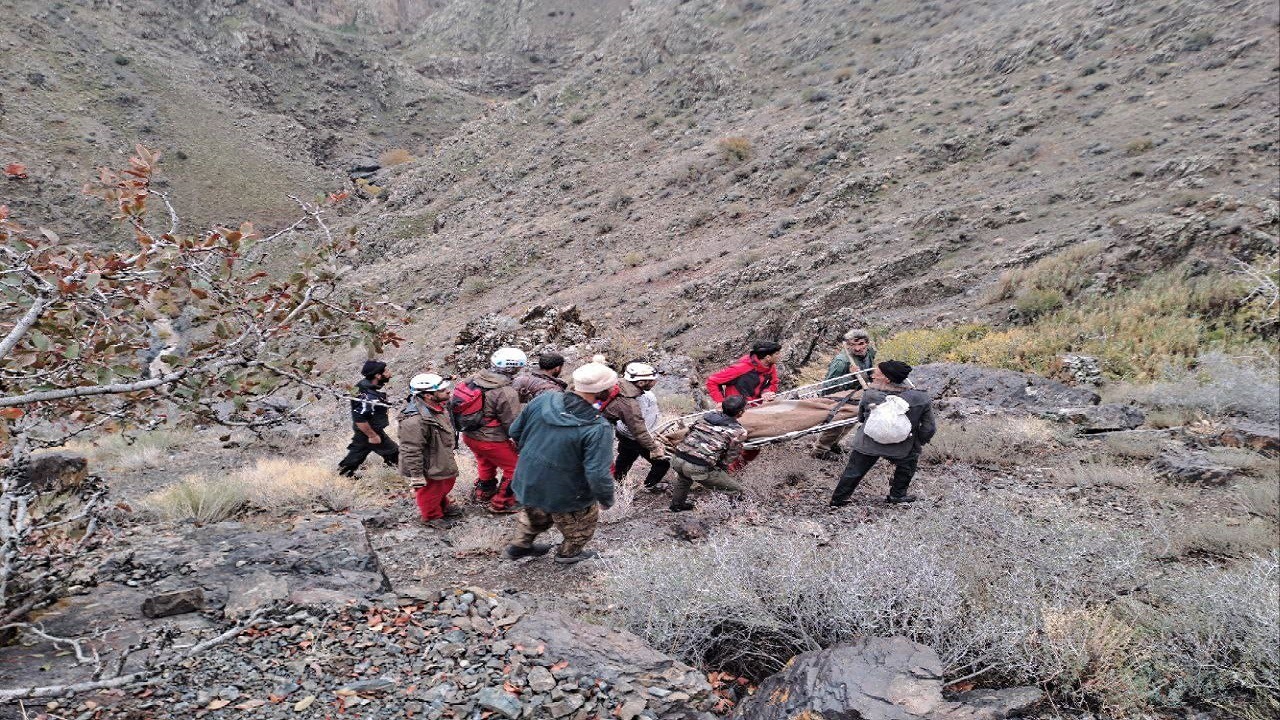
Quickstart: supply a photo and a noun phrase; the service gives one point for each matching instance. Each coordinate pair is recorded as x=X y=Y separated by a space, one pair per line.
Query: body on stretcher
x=791 y=414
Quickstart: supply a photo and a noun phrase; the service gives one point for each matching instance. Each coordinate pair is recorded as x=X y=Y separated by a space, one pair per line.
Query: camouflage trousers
x=688 y=473
x=577 y=527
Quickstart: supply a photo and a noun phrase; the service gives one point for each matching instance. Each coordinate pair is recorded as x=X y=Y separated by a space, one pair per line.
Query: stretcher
x=837 y=396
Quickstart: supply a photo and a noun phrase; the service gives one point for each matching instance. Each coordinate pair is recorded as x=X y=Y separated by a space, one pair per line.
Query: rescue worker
x=427 y=444
x=545 y=379
x=563 y=479
x=753 y=376
x=887 y=379
x=369 y=421
x=856 y=355
x=490 y=442
x=633 y=410
x=706 y=453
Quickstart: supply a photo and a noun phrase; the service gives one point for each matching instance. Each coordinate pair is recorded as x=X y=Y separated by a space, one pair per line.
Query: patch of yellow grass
x=282 y=484
x=197 y=499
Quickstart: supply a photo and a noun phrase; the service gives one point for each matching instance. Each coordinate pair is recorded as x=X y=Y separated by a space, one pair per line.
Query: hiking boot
x=656 y=488
x=681 y=507
x=484 y=491
x=571 y=559
x=504 y=509
x=452 y=511
x=821 y=454
x=900 y=499
x=437 y=523
x=839 y=503
x=515 y=552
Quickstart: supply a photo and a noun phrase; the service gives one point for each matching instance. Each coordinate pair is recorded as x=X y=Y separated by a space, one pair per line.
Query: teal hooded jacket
x=566 y=454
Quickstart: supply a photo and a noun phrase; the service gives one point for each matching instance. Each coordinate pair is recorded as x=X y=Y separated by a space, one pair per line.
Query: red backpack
x=467 y=407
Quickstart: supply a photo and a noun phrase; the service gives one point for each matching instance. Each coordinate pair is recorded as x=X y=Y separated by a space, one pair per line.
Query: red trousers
x=433 y=498
x=490 y=458
x=746 y=457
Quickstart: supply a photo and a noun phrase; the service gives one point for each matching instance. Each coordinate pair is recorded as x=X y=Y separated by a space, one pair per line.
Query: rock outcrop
x=874 y=679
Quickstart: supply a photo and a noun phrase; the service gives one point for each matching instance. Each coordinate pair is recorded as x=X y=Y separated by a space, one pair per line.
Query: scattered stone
x=1239 y=434
x=177 y=602
x=1000 y=704
x=688 y=529
x=541 y=680
x=1099 y=418
x=1190 y=466
x=499 y=701
x=245 y=595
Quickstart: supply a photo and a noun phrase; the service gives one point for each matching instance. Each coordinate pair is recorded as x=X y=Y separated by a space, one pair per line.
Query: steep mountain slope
x=250 y=101
x=718 y=171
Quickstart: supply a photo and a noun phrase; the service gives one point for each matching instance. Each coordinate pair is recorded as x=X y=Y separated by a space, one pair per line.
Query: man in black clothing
x=369 y=421
x=887 y=379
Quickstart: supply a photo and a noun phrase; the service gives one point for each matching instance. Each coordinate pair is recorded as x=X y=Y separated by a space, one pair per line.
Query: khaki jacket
x=625 y=408
x=427 y=442
x=501 y=402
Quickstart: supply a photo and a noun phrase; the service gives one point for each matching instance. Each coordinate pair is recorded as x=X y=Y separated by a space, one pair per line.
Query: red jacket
x=746 y=377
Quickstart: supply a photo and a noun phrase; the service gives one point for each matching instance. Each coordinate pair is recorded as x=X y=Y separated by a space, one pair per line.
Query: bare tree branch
x=23 y=325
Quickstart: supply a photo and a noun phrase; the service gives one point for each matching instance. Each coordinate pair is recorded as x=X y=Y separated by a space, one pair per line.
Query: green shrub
x=916 y=347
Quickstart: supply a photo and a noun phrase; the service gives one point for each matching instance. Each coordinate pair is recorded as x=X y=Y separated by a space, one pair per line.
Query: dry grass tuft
x=395 y=156
x=1103 y=475
x=1263 y=499
x=734 y=147
x=136 y=452
x=198 y=499
x=1215 y=538
x=992 y=440
x=624 y=503
x=1133 y=446
x=482 y=536
x=284 y=485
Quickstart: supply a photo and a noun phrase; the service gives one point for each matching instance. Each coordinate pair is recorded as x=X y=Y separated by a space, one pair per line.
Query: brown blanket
x=784 y=416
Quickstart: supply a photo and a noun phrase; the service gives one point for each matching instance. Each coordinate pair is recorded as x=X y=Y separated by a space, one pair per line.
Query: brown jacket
x=531 y=385
x=501 y=403
x=427 y=443
x=626 y=408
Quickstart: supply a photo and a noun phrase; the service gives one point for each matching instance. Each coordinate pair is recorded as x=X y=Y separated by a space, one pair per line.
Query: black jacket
x=370 y=405
x=919 y=412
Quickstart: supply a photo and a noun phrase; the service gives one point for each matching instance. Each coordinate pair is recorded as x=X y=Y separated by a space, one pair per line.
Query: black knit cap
x=372 y=367
x=895 y=370
x=550 y=360
x=734 y=405
x=765 y=347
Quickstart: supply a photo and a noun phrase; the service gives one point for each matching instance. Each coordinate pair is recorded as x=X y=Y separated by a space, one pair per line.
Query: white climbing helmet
x=639 y=371
x=508 y=358
x=428 y=382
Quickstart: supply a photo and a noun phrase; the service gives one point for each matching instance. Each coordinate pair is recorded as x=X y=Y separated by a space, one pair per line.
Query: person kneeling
x=713 y=444
x=427 y=444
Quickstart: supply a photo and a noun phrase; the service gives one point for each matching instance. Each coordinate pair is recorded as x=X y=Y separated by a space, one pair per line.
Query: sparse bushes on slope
x=1049 y=600
x=1216 y=630
x=971 y=578
x=1138 y=333
x=1219 y=384
x=280 y=484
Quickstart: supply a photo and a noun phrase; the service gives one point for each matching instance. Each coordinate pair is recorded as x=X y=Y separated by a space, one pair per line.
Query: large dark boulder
x=874 y=679
x=1099 y=418
x=56 y=472
x=1004 y=388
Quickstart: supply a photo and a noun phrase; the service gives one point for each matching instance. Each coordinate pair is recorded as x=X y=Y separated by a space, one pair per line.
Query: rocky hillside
x=254 y=101
x=717 y=171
